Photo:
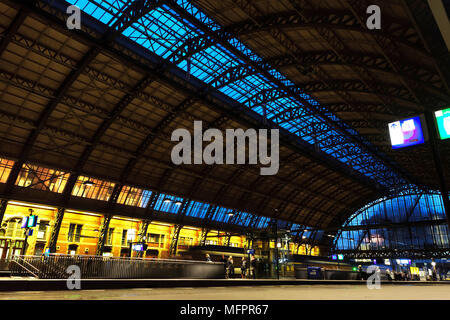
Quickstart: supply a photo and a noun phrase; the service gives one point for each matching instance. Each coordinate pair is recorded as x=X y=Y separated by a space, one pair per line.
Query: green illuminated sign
x=443 y=123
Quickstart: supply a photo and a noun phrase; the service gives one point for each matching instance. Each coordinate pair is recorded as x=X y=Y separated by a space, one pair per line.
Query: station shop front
x=79 y=234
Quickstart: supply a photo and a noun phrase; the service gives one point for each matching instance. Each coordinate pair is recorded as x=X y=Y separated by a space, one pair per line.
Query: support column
x=228 y=239
x=102 y=235
x=3 y=205
x=55 y=230
x=174 y=241
x=142 y=234
x=203 y=236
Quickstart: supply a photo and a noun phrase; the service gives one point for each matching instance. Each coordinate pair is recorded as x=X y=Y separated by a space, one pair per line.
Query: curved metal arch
x=265 y=71
x=133 y=11
x=329 y=19
x=306 y=199
x=373 y=61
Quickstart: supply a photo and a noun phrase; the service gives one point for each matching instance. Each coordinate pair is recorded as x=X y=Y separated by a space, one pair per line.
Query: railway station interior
x=353 y=97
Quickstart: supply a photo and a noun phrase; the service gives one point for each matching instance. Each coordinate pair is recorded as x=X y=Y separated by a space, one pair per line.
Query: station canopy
x=103 y=101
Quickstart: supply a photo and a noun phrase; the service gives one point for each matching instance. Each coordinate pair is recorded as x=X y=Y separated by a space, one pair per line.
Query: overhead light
x=18 y=203
x=231 y=213
x=167 y=200
x=178 y=203
x=306 y=230
x=88 y=183
x=304 y=237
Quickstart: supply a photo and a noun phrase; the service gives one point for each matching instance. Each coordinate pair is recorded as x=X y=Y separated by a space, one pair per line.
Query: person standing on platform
x=230 y=267
x=243 y=268
x=224 y=261
x=252 y=267
x=208 y=258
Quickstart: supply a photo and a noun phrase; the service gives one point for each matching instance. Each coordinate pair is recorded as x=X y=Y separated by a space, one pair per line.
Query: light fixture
x=88 y=183
x=178 y=203
x=304 y=237
x=167 y=200
x=231 y=213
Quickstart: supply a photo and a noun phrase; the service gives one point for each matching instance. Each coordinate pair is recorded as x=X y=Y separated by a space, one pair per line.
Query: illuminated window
x=74 y=234
x=186 y=241
x=109 y=237
x=41 y=178
x=13 y=228
x=135 y=197
x=155 y=238
x=5 y=169
x=124 y=237
x=42 y=231
x=91 y=188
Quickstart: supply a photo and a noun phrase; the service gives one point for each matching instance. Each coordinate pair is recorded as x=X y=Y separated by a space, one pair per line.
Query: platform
x=32 y=284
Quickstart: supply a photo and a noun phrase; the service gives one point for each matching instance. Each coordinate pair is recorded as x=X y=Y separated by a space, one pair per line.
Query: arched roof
x=102 y=101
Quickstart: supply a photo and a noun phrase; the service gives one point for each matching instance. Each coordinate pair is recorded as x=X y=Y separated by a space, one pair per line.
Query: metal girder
x=174 y=239
x=387 y=46
x=55 y=230
x=231 y=75
x=142 y=235
x=3 y=206
x=86 y=37
x=60 y=92
x=396 y=253
x=266 y=72
x=423 y=20
x=140 y=151
x=103 y=232
x=353 y=58
x=12 y=29
x=131 y=13
x=326 y=19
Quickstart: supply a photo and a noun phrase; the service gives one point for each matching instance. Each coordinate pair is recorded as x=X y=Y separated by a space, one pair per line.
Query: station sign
x=443 y=123
x=29 y=222
x=139 y=247
x=251 y=251
x=407 y=132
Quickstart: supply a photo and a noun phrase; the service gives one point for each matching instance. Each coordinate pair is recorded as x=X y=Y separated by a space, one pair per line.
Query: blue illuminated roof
x=163 y=31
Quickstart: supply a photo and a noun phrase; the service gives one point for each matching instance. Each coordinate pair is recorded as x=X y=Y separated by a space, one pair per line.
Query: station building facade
x=79 y=231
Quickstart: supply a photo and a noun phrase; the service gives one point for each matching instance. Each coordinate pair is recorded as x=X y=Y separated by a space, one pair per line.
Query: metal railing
x=54 y=266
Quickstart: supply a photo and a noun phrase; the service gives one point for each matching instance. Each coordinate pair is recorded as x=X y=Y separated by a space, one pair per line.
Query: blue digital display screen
x=406 y=133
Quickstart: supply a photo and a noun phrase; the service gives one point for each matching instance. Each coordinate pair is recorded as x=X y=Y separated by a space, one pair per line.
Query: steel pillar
x=174 y=241
x=3 y=205
x=103 y=233
x=55 y=230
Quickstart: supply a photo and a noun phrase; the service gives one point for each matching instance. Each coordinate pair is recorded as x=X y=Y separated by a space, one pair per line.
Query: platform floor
x=305 y=292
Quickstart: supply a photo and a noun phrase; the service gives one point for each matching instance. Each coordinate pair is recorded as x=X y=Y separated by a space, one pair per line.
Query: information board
x=443 y=123
x=407 y=132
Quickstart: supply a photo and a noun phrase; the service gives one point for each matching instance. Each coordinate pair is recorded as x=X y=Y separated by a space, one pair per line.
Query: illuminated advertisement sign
x=334 y=257
x=443 y=123
x=24 y=222
x=405 y=133
x=32 y=221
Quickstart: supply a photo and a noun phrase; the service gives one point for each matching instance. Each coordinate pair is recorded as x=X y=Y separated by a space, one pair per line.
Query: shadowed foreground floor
x=304 y=292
